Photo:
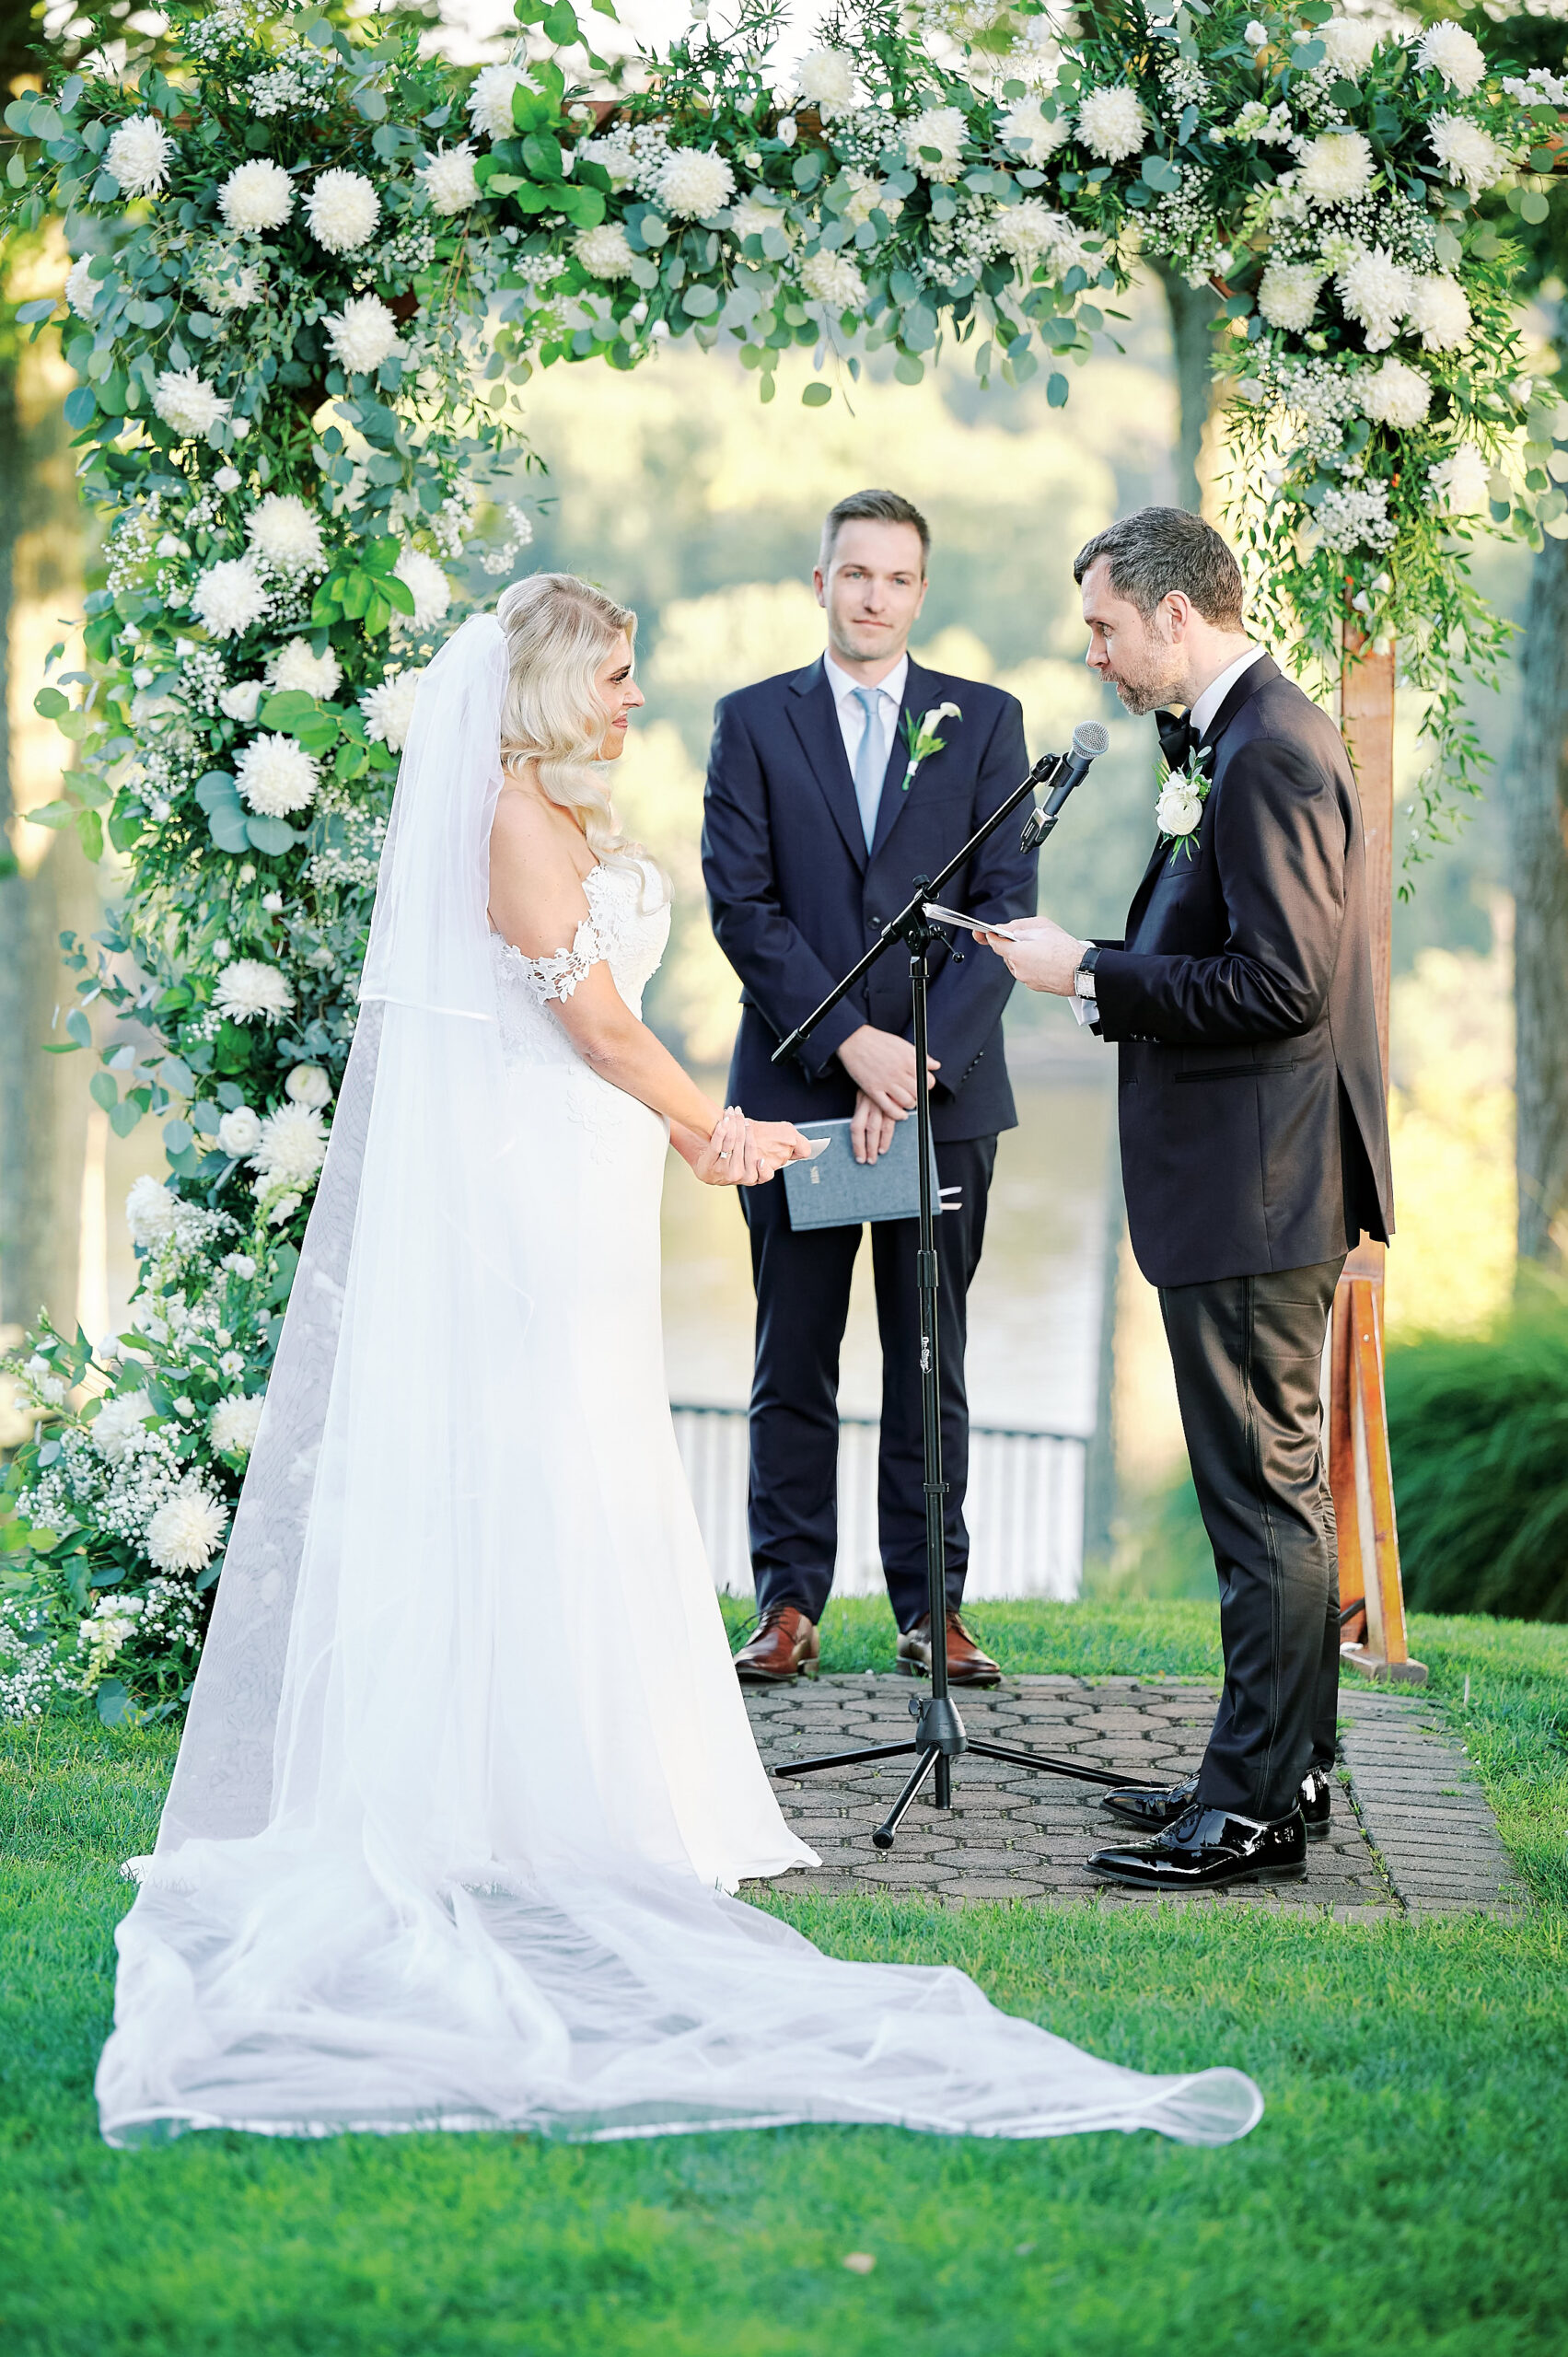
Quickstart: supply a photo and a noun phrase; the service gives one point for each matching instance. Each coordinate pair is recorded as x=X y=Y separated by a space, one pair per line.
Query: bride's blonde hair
x=559 y=631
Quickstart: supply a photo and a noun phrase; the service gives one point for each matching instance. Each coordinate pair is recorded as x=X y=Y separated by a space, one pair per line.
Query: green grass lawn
x=1405 y=2190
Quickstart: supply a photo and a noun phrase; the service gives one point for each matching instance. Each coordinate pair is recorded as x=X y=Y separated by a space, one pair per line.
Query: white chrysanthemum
x=296 y=668
x=1470 y=156
x=1110 y=123
x=234 y=1423
x=1376 y=290
x=309 y=1084
x=256 y=196
x=184 y=400
x=183 y=1535
x=118 y=1423
x=1336 y=167
x=489 y=100
x=292 y=1146
x=341 y=211
x=1287 y=296
x=748 y=216
x=240 y=1132
x=826 y=80
x=388 y=709
x=691 y=182
x=604 y=250
x=275 y=776
x=1447 y=50
x=138 y=154
x=1439 y=312
x=1028 y=230
x=230 y=597
x=933 y=143
x=1349 y=41
x=1030 y=133
x=243 y=701
x=81 y=287
x=150 y=1213
x=362 y=335
x=247 y=992
x=1462 y=482
x=286 y=534
x=868 y=195
x=1394 y=394
x=449 y=178
x=226 y=284
x=432 y=590
x=834 y=279
x=612 y=155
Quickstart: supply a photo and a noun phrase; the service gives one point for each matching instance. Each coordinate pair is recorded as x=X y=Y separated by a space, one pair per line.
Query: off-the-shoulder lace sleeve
x=557 y=977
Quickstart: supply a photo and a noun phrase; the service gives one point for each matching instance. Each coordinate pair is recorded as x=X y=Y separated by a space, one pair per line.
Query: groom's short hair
x=1162 y=549
x=875 y=507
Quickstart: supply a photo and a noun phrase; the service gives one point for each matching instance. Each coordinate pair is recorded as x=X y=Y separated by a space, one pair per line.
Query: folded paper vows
x=937 y=915
x=838 y=1192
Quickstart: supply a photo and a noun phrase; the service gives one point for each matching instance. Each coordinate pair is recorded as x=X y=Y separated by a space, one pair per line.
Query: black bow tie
x=1177 y=737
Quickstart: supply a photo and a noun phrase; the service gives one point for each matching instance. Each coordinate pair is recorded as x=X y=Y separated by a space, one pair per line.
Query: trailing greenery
x=312 y=270
x=1414 y=2076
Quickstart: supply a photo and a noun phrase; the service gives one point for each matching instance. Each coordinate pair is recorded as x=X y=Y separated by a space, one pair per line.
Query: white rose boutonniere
x=920 y=737
x=1179 y=806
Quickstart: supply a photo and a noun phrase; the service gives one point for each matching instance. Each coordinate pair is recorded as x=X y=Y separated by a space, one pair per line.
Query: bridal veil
x=390 y=1890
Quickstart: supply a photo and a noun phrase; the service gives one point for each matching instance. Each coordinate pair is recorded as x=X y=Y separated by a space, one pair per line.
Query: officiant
x=830 y=791
x=1254 y=1152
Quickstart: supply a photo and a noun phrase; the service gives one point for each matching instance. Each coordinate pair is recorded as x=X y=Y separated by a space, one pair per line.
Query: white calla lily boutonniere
x=1179 y=806
x=922 y=738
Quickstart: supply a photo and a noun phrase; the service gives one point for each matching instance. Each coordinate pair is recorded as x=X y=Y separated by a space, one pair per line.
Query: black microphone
x=1090 y=739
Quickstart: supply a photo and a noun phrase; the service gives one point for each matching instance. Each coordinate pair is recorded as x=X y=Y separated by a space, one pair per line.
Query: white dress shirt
x=851 y=712
x=1215 y=695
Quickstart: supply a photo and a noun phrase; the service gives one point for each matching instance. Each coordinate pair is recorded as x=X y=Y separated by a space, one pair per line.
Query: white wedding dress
x=467 y=1778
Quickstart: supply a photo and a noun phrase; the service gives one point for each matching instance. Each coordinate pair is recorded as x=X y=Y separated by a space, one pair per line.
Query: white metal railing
x=1023 y=1508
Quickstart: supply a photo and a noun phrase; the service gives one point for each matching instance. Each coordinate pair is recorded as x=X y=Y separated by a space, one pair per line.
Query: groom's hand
x=881 y=1065
x=1043 y=957
x=871 y=1131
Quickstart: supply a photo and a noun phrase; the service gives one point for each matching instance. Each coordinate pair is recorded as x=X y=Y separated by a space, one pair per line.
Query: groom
x=820 y=818
x=1255 y=1151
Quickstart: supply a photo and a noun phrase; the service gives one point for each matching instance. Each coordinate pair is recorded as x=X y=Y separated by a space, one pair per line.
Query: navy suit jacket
x=1254 y=1133
x=796 y=899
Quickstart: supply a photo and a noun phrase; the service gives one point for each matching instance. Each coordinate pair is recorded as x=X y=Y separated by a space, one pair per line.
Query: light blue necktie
x=870 y=761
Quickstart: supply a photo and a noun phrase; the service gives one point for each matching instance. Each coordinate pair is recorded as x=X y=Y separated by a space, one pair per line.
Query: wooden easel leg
x=1361 y=1477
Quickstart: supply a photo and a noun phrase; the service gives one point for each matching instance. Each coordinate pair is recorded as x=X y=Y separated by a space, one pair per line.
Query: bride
x=467 y=1779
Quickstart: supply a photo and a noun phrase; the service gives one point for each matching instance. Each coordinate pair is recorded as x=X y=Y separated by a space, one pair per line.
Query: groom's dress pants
x=1247 y=1354
x=802 y=1289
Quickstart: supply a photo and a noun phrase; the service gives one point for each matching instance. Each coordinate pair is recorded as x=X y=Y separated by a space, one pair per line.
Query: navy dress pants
x=802 y=1289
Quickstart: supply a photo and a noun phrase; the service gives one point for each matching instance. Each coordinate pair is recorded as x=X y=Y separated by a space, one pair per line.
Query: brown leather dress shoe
x=967 y=1666
x=784 y=1643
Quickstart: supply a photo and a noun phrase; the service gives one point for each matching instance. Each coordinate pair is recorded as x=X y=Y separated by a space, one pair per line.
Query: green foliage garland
x=312 y=271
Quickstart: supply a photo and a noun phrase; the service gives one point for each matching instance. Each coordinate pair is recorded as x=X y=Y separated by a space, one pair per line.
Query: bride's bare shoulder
x=537 y=863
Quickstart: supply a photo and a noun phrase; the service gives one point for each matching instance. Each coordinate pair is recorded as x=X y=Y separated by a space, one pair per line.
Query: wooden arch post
x=1360 y=1470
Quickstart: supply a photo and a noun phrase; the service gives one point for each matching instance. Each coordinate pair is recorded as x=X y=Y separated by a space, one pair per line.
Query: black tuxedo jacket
x=796 y=898
x=1254 y=1130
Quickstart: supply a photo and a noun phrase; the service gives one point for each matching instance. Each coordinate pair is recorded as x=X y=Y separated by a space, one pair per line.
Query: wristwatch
x=1083 y=979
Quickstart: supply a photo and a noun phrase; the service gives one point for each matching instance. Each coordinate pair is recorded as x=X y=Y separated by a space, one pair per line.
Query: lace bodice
x=627 y=925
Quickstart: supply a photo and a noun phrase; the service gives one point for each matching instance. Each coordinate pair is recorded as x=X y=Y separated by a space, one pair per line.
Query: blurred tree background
x=684 y=495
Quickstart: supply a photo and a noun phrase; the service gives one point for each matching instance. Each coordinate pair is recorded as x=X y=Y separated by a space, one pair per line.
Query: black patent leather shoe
x=1206 y=1849
x=1317 y=1792
x=1152 y=1812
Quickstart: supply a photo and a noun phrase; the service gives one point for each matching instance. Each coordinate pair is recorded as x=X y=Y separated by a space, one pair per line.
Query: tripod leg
x=883 y=1837
x=1044 y=1765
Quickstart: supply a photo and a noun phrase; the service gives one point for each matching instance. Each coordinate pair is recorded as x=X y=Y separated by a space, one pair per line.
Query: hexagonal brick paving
x=1015 y=1834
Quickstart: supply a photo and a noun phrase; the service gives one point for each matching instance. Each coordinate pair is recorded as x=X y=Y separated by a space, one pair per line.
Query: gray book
x=835 y=1190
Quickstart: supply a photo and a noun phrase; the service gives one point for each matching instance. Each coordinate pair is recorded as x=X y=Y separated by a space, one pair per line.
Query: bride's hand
x=768 y=1145
x=721 y=1162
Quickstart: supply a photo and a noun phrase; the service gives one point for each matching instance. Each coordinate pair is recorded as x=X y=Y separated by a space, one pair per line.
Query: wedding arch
x=312 y=271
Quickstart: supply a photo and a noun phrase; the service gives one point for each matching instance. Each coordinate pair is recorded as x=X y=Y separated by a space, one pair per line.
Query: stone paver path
x=1411 y=1832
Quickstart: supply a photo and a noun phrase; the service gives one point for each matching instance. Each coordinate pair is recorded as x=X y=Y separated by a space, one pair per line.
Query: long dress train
x=467 y=1780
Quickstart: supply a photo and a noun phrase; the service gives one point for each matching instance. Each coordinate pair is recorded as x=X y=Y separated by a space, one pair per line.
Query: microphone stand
x=939 y=1736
